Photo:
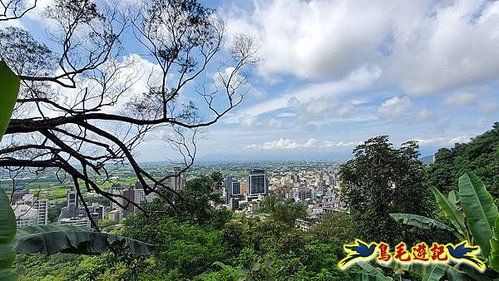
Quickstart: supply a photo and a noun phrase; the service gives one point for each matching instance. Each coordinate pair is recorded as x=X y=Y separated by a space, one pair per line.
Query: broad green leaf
x=435 y=272
x=450 y=211
x=455 y=274
x=420 y=221
x=9 y=87
x=415 y=269
x=51 y=239
x=453 y=197
x=494 y=248
x=364 y=276
x=7 y=234
x=475 y=275
x=479 y=208
x=370 y=273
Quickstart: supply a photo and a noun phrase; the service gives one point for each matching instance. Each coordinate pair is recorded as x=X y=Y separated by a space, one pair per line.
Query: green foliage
x=58 y=267
x=198 y=197
x=419 y=221
x=369 y=272
x=335 y=227
x=479 y=156
x=9 y=87
x=382 y=180
x=455 y=216
x=435 y=273
x=480 y=226
x=51 y=239
x=186 y=249
x=7 y=234
x=9 y=83
x=494 y=247
x=54 y=213
x=256 y=248
x=479 y=209
x=283 y=210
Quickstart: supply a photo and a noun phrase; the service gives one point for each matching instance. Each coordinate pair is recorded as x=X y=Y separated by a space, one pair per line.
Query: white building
x=31 y=211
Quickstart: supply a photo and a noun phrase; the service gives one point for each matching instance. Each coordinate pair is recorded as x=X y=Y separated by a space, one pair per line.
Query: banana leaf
x=420 y=221
x=479 y=208
x=455 y=216
x=435 y=272
x=7 y=234
x=473 y=273
x=494 y=248
x=369 y=273
x=453 y=197
x=51 y=239
x=455 y=274
x=9 y=87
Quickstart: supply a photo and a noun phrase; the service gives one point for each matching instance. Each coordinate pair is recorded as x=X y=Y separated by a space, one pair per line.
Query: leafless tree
x=81 y=111
x=15 y=9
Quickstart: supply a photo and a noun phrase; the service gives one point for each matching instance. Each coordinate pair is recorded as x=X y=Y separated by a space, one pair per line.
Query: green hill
x=481 y=156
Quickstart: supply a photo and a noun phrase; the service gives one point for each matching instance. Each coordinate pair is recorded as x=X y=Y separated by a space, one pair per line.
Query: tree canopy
x=480 y=155
x=382 y=180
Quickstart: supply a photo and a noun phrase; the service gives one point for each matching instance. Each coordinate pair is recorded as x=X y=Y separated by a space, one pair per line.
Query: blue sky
x=335 y=73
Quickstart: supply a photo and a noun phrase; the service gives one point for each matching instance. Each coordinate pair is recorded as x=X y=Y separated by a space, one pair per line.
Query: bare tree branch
x=84 y=107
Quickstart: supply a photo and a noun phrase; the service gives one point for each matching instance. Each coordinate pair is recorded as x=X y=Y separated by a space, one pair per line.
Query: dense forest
x=481 y=155
x=199 y=240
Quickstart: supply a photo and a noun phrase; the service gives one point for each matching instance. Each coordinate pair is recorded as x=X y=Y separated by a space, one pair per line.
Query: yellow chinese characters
x=419 y=253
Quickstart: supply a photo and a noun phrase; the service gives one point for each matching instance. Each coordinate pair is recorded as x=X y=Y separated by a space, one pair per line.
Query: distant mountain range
x=277 y=156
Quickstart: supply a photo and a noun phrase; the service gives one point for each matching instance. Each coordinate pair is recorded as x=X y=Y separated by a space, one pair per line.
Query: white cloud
x=252 y=122
x=489 y=107
x=127 y=79
x=313 y=38
x=424 y=116
x=395 y=107
x=448 y=140
x=424 y=47
x=332 y=144
x=360 y=79
x=283 y=144
x=286 y=115
x=460 y=99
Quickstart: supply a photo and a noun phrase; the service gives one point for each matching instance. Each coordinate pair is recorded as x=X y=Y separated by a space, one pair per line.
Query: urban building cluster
x=246 y=194
x=75 y=214
x=317 y=189
x=29 y=209
x=137 y=195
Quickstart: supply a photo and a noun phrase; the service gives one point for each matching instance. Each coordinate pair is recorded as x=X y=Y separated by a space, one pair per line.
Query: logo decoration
x=419 y=253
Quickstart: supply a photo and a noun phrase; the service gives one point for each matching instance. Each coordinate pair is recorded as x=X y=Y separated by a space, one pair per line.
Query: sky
x=333 y=73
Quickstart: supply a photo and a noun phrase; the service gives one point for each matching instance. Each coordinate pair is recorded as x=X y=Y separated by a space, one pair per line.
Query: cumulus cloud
x=489 y=107
x=357 y=80
x=290 y=144
x=395 y=107
x=422 y=46
x=460 y=99
x=252 y=122
x=283 y=144
x=313 y=38
x=332 y=144
x=449 y=140
x=424 y=116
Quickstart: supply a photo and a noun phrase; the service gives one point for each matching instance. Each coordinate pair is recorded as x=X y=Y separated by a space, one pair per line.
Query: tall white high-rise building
x=31 y=210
